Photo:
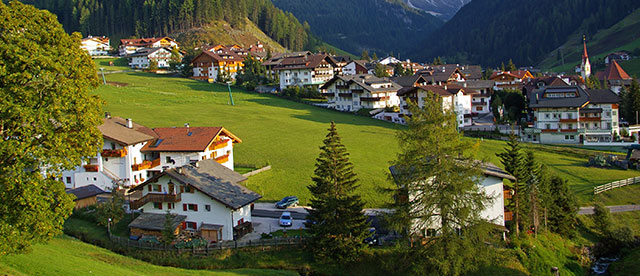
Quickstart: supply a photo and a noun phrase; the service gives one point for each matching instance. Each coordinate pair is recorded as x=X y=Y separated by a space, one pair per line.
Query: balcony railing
x=549 y=130
x=342 y=87
x=344 y=94
x=91 y=168
x=373 y=99
x=155 y=163
x=142 y=166
x=114 y=152
x=590 y=119
x=135 y=204
x=568 y=120
x=222 y=159
x=219 y=144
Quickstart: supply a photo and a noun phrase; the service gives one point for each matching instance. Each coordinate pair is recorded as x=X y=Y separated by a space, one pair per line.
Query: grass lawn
x=67 y=256
x=119 y=64
x=287 y=135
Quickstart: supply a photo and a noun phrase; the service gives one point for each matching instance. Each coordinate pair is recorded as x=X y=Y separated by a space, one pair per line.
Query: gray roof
x=488 y=168
x=145 y=52
x=213 y=179
x=598 y=96
x=480 y=84
x=539 y=101
x=115 y=128
x=471 y=72
x=149 y=221
x=86 y=191
x=207 y=226
x=408 y=81
x=365 y=81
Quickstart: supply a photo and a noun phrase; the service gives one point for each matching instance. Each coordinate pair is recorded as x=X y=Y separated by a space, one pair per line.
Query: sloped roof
x=365 y=81
x=115 y=128
x=519 y=74
x=151 y=221
x=301 y=62
x=213 y=179
x=538 y=100
x=86 y=191
x=438 y=90
x=142 y=42
x=146 y=52
x=602 y=96
x=471 y=72
x=614 y=72
x=454 y=88
x=408 y=81
x=480 y=84
x=185 y=139
x=488 y=168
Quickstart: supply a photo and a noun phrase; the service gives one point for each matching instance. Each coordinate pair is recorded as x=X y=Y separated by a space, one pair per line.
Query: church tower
x=585 y=67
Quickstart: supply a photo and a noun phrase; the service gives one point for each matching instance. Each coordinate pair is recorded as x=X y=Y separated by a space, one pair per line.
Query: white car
x=285 y=219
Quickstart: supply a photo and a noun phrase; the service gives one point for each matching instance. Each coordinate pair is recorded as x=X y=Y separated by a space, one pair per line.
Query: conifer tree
x=545 y=198
x=437 y=193
x=532 y=190
x=602 y=218
x=511 y=67
x=374 y=57
x=564 y=209
x=593 y=82
x=513 y=162
x=340 y=226
x=365 y=55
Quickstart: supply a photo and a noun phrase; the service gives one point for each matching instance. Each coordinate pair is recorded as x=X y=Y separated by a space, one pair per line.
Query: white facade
x=178 y=159
x=574 y=125
x=141 y=60
x=96 y=46
x=305 y=77
x=217 y=213
x=351 y=96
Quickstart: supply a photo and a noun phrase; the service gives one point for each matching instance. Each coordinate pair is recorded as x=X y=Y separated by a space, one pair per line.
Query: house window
x=113 y=146
x=157 y=205
x=190 y=207
x=546 y=115
x=168 y=159
x=171 y=205
x=68 y=180
x=548 y=126
x=614 y=112
x=207 y=207
x=156 y=188
x=191 y=225
x=430 y=232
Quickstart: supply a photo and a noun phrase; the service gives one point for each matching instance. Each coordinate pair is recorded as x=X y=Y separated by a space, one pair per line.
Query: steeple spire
x=585 y=67
x=584 y=42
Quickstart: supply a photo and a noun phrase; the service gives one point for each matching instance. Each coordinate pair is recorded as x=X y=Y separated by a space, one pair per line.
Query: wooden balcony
x=569 y=120
x=222 y=159
x=549 y=130
x=142 y=166
x=155 y=163
x=218 y=144
x=508 y=216
x=114 y=152
x=342 y=87
x=590 y=119
x=91 y=168
x=373 y=99
x=569 y=130
x=346 y=95
x=135 y=204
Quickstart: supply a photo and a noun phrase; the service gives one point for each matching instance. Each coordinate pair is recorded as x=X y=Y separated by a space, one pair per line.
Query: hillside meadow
x=287 y=135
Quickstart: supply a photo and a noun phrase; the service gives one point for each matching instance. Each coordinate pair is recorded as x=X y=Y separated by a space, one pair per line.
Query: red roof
x=584 y=53
x=188 y=139
x=519 y=74
x=613 y=72
x=142 y=42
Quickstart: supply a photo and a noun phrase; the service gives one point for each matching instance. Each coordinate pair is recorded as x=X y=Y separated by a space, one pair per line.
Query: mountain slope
x=489 y=32
x=624 y=35
x=444 y=9
x=375 y=25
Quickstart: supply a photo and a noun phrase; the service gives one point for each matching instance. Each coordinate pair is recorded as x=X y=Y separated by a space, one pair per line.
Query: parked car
x=285 y=219
x=287 y=202
x=372 y=239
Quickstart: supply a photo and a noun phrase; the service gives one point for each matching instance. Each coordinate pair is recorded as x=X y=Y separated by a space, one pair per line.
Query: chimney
x=129 y=123
x=179 y=170
x=107 y=115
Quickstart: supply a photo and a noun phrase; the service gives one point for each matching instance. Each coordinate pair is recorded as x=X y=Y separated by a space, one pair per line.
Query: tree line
x=125 y=18
x=488 y=31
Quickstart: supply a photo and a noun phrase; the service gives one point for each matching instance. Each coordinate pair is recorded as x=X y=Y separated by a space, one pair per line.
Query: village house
x=309 y=71
x=388 y=60
x=143 y=57
x=217 y=64
x=132 y=153
x=481 y=101
x=454 y=97
x=88 y=196
x=276 y=60
x=492 y=185
x=510 y=80
x=354 y=92
x=471 y=72
x=205 y=198
x=571 y=115
x=410 y=81
x=614 y=77
x=130 y=46
x=338 y=63
x=96 y=46
x=355 y=67
x=443 y=74
x=620 y=56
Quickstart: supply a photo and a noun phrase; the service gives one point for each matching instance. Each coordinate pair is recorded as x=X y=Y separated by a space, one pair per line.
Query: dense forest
x=489 y=32
x=379 y=26
x=138 y=18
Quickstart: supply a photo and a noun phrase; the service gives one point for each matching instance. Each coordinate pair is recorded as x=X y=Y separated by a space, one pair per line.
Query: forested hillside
x=125 y=18
x=379 y=26
x=489 y=32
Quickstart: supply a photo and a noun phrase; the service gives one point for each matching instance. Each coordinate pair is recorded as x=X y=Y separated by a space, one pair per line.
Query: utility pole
x=104 y=81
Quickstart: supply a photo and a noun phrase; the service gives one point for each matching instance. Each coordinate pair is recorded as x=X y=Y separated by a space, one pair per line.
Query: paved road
x=614 y=209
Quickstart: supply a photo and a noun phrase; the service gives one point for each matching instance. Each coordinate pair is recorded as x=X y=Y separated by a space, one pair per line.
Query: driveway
x=614 y=209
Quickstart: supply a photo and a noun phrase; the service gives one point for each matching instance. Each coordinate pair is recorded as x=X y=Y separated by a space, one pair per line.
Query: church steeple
x=585 y=67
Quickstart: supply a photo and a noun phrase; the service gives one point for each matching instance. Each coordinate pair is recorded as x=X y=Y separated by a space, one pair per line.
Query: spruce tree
x=437 y=193
x=564 y=209
x=339 y=226
x=532 y=190
x=365 y=55
x=511 y=67
x=513 y=162
x=602 y=218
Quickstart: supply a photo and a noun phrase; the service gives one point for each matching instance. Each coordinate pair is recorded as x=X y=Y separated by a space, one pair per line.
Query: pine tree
x=602 y=218
x=340 y=227
x=545 y=198
x=365 y=55
x=564 y=209
x=438 y=193
x=168 y=231
x=532 y=190
x=593 y=82
x=374 y=57
x=511 y=67
x=513 y=162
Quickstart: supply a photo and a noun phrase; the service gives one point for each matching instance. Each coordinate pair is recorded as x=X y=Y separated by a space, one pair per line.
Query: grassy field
x=119 y=64
x=287 y=134
x=67 y=256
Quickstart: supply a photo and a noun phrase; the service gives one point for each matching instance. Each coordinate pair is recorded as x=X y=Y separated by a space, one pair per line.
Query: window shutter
x=184 y=225
x=160 y=206
x=149 y=187
x=184 y=207
x=195 y=207
x=181 y=189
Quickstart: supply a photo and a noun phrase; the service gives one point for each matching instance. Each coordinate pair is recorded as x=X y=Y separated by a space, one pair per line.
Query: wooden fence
x=615 y=184
x=205 y=250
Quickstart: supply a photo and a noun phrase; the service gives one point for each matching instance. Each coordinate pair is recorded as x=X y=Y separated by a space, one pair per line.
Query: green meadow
x=287 y=135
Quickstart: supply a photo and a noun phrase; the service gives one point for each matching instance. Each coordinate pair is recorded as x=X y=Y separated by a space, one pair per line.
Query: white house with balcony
x=354 y=92
x=572 y=115
x=206 y=198
x=454 y=97
x=133 y=153
x=304 y=71
x=142 y=59
x=96 y=46
x=492 y=185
